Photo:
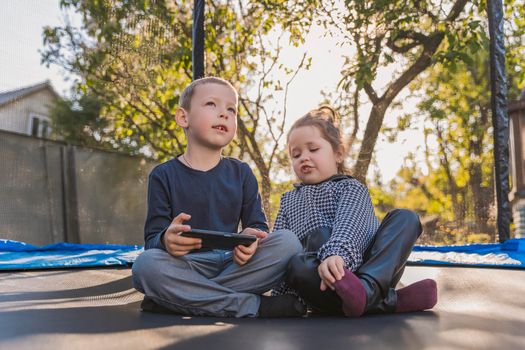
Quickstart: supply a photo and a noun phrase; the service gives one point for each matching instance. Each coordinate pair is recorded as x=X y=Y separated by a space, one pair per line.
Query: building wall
x=15 y=116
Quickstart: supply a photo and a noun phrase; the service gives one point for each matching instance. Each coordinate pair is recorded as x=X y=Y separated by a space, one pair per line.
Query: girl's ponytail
x=330 y=114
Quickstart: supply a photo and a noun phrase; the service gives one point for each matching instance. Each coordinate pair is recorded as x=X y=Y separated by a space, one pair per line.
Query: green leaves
x=135 y=57
x=455 y=105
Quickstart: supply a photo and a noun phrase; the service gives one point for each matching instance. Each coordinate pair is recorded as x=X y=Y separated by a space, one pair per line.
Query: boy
x=211 y=192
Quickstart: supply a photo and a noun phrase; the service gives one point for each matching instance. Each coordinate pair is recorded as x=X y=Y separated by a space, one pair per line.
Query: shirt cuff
x=260 y=227
x=157 y=241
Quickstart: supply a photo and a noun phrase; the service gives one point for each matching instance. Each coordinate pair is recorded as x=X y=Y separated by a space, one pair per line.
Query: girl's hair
x=326 y=119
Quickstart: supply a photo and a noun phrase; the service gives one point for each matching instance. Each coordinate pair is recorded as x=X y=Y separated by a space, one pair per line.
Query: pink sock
x=352 y=293
x=418 y=296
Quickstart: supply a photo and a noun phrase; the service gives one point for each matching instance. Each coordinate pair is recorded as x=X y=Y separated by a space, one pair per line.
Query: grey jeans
x=210 y=283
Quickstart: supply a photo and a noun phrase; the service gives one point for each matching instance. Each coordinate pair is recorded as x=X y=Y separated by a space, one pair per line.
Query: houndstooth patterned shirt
x=341 y=203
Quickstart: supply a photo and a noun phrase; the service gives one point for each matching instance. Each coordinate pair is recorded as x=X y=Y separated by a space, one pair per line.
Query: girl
x=350 y=264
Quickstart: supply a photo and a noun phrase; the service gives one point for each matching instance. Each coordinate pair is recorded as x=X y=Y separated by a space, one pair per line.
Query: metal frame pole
x=198 y=39
x=500 y=118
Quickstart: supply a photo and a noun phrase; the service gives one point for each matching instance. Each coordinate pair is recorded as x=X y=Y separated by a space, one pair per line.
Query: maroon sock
x=418 y=296
x=352 y=293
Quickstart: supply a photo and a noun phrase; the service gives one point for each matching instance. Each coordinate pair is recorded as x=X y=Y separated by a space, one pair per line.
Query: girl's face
x=313 y=158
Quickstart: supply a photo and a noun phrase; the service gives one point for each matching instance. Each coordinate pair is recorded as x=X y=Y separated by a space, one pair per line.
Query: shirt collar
x=335 y=178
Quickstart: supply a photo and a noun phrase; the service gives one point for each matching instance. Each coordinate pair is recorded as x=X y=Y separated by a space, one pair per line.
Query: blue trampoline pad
x=16 y=255
x=509 y=254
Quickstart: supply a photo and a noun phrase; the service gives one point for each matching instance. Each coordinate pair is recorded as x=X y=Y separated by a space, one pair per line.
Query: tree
x=79 y=121
x=455 y=101
x=135 y=57
x=460 y=123
x=131 y=57
x=405 y=34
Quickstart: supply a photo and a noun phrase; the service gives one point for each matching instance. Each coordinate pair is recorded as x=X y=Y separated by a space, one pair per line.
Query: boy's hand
x=242 y=254
x=331 y=270
x=255 y=232
x=174 y=243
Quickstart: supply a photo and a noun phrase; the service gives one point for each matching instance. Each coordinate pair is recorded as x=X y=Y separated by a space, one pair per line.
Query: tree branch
x=372 y=95
x=417 y=39
x=430 y=46
x=456 y=10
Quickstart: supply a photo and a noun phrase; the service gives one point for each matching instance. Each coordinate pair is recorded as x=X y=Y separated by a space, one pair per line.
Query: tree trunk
x=480 y=199
x=266 y=190
x=482 y=195
x=380 y=104
x=458 y=204
x=373 y=126
x=248 y=139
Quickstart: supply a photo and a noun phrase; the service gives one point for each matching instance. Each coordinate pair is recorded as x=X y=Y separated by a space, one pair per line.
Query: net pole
x=500 y=118
x=198 y=39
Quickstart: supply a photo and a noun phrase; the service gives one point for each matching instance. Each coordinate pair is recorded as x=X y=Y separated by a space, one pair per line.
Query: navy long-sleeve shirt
x=218 y=199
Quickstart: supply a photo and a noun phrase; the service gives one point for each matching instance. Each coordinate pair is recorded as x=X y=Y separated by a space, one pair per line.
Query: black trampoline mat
x=478 y=308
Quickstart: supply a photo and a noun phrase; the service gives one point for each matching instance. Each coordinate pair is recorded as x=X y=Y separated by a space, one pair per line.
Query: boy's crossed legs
x=210 y=283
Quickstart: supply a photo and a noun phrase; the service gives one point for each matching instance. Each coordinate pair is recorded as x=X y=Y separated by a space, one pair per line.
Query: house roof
x=12 y=95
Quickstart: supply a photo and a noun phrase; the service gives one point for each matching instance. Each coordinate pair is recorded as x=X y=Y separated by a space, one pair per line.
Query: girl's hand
x=331 y=270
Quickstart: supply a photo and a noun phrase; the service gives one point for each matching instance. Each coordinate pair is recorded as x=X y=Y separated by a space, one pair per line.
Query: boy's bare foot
x=281 y=306
x=418 y=296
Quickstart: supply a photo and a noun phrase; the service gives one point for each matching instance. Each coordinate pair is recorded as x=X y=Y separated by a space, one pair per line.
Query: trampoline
x=478 y=308
x=97 y=307
x=79 y=296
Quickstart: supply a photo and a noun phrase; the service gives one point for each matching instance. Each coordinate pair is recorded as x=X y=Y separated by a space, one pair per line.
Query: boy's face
x=212 y=118
x=313 y=158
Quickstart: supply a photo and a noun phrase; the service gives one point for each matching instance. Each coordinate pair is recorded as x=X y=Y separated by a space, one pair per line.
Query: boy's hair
x=326 y=119
x=187 y=93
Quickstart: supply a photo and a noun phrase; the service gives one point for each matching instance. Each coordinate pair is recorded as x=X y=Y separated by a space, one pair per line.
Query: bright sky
x=21 y=23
